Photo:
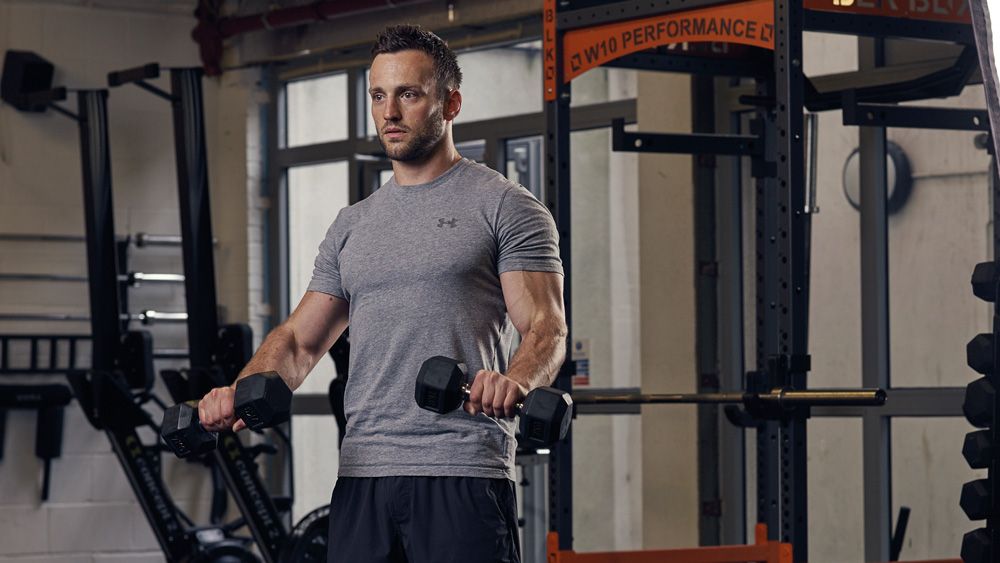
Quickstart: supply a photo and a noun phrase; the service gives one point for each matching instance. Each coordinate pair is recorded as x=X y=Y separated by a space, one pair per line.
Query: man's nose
x=390 y=110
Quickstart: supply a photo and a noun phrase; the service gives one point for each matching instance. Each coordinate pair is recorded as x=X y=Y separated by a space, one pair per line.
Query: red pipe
x=212 y=30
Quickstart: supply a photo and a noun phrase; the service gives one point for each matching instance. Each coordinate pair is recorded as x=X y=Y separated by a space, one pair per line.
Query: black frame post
x=706 y=314
x=196 y=216
x=556 y=196
x=792 y=266
x=102 y=259
x=766 y=326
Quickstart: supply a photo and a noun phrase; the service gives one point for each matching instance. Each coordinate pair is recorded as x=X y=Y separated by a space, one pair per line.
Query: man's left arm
x=535 y=306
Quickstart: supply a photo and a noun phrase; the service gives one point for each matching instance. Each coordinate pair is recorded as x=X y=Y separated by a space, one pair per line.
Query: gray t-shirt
x=420 y=266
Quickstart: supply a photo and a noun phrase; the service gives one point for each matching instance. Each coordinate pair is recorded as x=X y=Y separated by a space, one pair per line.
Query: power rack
x=766 y=40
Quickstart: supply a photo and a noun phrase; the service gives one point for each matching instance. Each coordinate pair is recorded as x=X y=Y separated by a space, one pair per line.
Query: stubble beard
x=422 y=141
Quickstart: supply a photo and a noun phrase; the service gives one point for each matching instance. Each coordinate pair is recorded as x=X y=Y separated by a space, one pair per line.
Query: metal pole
x=196 y=218
x=707 y=314
x=792 y=272
x=102 y=264
x=874 y=326
x=766 y=332
x=777 y=397
x=729 y=228
x=556 y=196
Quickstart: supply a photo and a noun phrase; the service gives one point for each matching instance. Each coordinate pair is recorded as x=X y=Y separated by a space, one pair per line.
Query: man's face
x=405 y=104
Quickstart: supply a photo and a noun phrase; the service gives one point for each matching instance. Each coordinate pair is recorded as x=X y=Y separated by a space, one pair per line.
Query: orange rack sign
x=749 y=22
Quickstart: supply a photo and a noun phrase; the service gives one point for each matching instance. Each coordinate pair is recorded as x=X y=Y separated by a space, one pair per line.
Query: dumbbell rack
x=980 y=499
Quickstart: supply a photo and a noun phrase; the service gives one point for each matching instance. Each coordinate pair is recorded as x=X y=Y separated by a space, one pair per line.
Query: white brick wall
x=92 y=515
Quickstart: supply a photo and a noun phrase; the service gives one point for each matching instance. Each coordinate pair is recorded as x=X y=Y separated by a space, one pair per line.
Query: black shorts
x=423 y=520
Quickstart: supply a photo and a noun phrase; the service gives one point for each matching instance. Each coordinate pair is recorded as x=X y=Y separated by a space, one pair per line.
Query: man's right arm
x=292 y=349
x=296 y=345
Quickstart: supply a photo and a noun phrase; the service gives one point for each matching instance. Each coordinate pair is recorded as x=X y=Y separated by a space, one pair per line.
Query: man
x=447 y=258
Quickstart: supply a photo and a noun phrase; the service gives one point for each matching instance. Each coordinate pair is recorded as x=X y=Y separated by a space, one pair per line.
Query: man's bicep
x=533 y=296
x=318 y=320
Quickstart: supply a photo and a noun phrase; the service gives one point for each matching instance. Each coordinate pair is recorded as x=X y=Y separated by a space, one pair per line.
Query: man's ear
x=452 y=104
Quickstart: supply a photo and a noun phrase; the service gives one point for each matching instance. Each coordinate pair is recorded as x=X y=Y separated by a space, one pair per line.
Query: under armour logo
x=451 y=224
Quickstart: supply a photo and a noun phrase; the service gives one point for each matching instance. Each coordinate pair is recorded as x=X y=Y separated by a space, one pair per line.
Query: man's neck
x=426 y=170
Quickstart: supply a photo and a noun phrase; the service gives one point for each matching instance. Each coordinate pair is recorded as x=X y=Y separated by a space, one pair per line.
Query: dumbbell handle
x=467 y=392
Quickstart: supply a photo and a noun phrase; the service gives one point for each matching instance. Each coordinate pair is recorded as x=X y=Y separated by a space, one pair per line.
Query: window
x=316 y=110
x=316 y=193
x=524 y=163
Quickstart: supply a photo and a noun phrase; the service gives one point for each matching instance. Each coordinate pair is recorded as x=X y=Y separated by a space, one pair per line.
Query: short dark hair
x=403 y=37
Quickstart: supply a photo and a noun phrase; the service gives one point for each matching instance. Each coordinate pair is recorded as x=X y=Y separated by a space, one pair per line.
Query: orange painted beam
x=767 y=552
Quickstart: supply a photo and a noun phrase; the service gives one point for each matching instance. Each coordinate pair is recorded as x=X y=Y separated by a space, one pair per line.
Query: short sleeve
x=527 y=238
x=326 y=268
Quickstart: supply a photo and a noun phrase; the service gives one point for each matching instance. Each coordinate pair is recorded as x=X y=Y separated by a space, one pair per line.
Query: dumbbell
x=984 y=281
x=545 y=413
x=978 y=404
x=181 y=430
x=262 y=400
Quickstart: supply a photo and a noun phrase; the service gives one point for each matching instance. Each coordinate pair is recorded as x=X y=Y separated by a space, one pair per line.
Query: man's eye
x=409 y=94
x=377 y=97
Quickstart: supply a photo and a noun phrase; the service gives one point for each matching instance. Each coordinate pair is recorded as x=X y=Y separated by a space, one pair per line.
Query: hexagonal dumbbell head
x=978 y=405
x=182 y=432
x=439 y=385
x=262 y=400
x=984 y=281
x=978 y=449
x=975 y=500
x=545 y=416
x=979 y=353
x=976 y=547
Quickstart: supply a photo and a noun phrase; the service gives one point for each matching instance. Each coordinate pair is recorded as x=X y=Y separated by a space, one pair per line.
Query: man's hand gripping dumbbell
x=261 y=400
x=545 y=412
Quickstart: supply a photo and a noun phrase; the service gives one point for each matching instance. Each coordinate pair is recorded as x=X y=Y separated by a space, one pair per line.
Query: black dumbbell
x=975 y=499
x=978 y=449
x=261 y=400
x=976 y=547
x=181 y=430
x=979 y=353
x=978 y=404
x=545 y=413
x=984 y=281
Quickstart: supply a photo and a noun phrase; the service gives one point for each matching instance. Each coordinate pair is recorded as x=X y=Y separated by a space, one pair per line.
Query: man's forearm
x=540 y=355
x=281 y=353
